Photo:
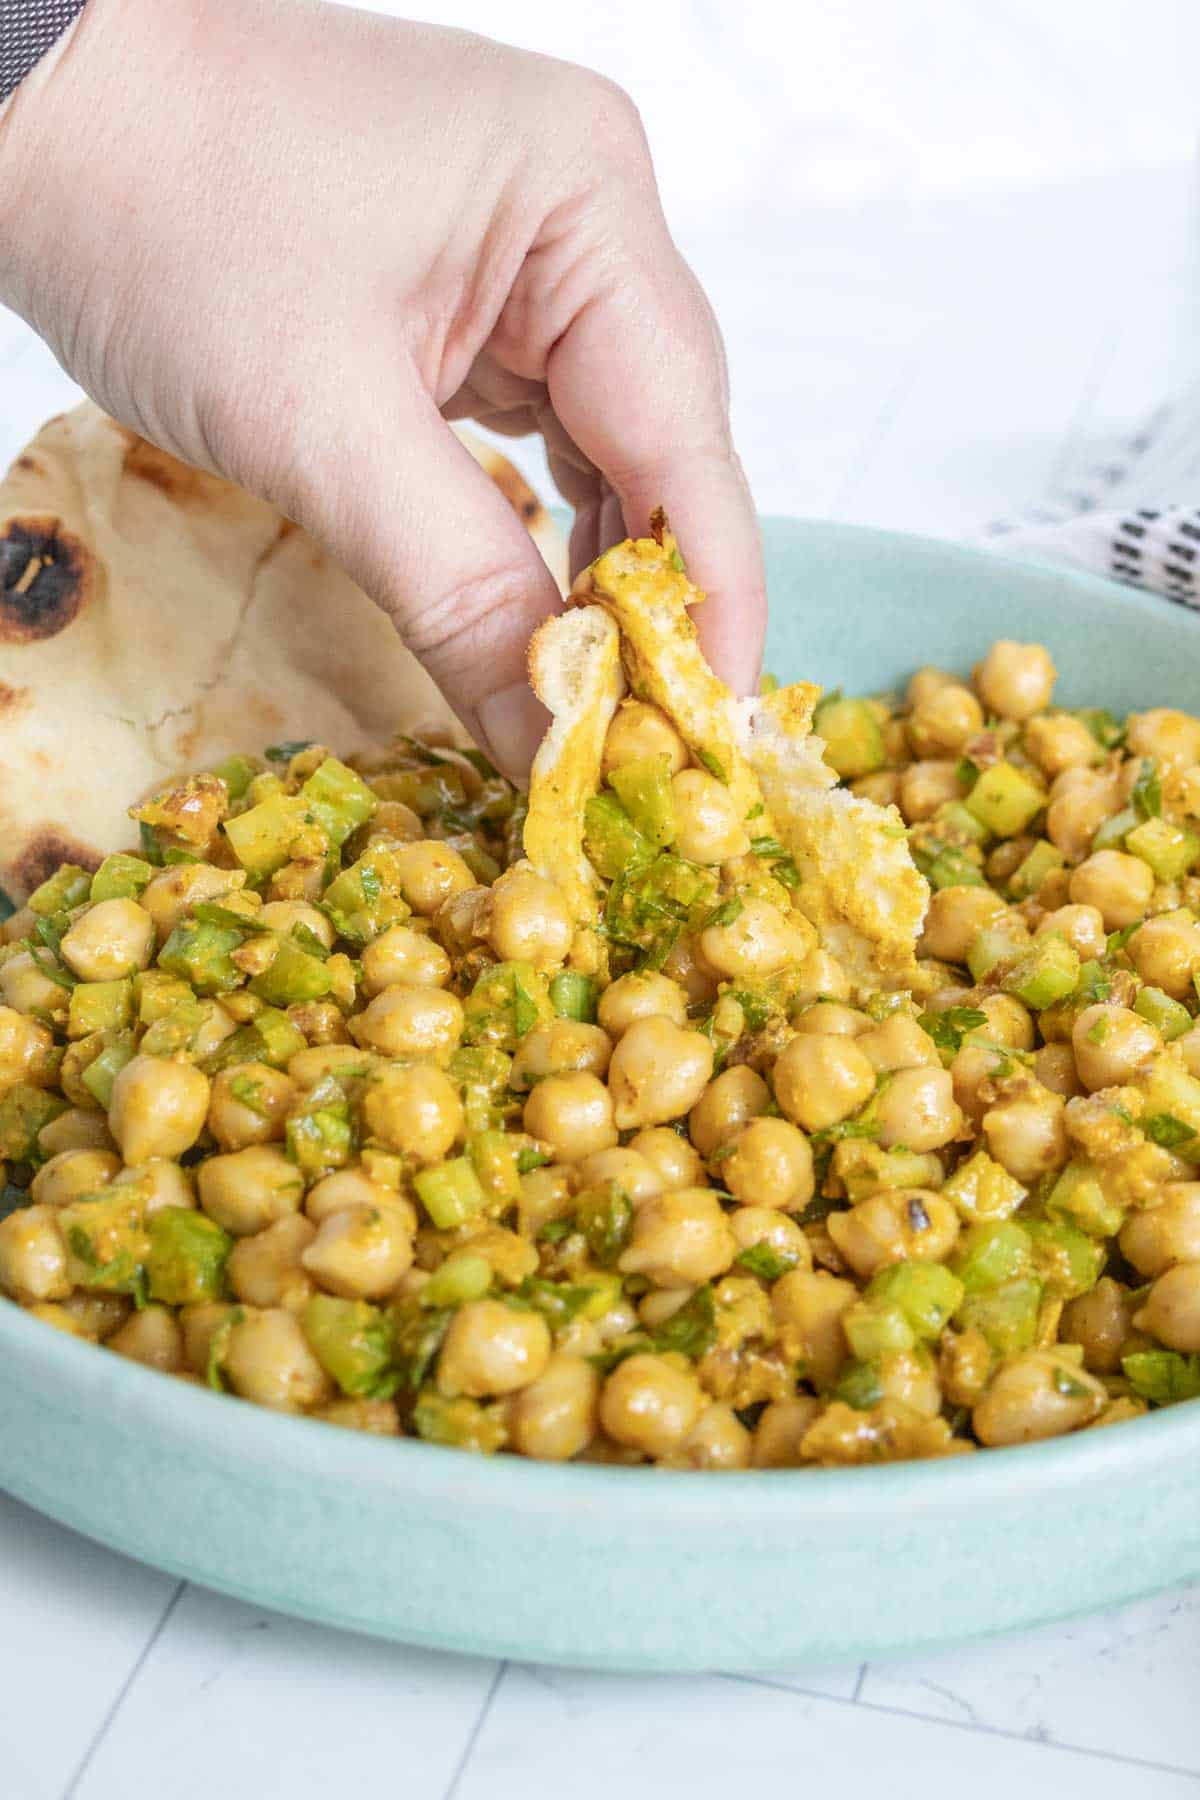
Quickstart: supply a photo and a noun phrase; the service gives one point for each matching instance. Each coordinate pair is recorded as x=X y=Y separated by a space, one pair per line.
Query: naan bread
x=155 y=619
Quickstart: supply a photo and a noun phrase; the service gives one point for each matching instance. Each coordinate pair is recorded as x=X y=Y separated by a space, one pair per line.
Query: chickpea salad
x=325 y=1097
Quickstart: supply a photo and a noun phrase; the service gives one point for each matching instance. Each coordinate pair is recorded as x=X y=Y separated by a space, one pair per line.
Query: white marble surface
x=952 y=246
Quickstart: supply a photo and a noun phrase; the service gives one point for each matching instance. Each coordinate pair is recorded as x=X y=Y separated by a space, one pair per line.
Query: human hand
x=288 y=241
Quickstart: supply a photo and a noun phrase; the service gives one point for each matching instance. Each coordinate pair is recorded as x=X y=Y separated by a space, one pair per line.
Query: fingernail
x=513 y=722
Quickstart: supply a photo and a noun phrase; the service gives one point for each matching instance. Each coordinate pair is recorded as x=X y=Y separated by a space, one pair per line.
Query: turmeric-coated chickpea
x=686 y=967
x=641 y=995
x=249 y=1189
x=680 y=1239
x=1081 y=924
x=753 y=945
x=1059 y=742
x=415 y=1110
x=1026 y=1133
x=378 y=1418
x=1165 y=951
x=650 y=1403
x=893 y=1225
x=1016 y=680
x=268 y=1360
x=1118 y=886
x=160 y=1182
x=27 y=989
x=158 y=1107
x=249 y=1104
x=1111 y=1043
x=767 y=1225
x=820 y=976
x=1171 y=1311
x=708 y=828
x=285 y=915
x=924 y=786
x=673 y=1159
x=1054 y=1066
x=173 y=892
x=313 y=1063
x=1038 y=1394
x=555 y=1417
x=25 y=1050
x=718 y=1440
x=33 y=1255
x=529 y=920
x=727 y=1103
x=557 y=1048
x=917 y=1108
x=410 y=1021
x=492 y=1348
x=807 y=1307
x=79 y=1128
x=430 y=872
x=1160 y=1236
x=360 y=1253
x=1170 y=736
x=633 y=1173
x=941 y=723
x=402 y=954
x=639 y=730
x=771 y=1164
x=461 y=920
x=1080 y=801
x=658 y=1072
x=573 y=1113
x=830 y=1018
x=781 y=1430
x=924 y=683
x=975 y=1069
x=112 y=939
x=819 y=1081
x=955 y=918
x=265 y=1270
x=354 y=1187
x=71 y=1173
x=1005 y=1021
x=1100 y=1323
x=151 y=1337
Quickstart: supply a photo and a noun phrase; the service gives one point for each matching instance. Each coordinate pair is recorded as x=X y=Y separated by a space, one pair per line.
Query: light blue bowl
x=635 y=1568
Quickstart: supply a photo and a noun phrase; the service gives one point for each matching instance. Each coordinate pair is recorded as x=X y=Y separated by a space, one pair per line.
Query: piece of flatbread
x=154 y=619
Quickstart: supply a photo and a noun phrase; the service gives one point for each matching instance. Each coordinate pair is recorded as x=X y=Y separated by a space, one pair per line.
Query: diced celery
x=493 y=1157
x=982 y=1189
x=69 y=886
x=174 y=1030
x=991 y=1254
x=106 y=1240
x=199 y=953
x=1169 y=1016
x=320 y=1136
x=993 y=945
x=450 y=1193
x=462 y=1277
x=99 y=1006
x=852 y=734
x=1006 y=1315
x=643 y=787
x=1167 y=849
x=952 y=867
x=954 y=822
x=351 y=1341
x=338 y=799
x=1005 y=799
x=292 y=976
x=507 y=1001
x=1029 y=874
x=185 y=1262
x=865 y=1168
x=1169 y=1089
x=280 y=1039
x=1112 y=833
x=237 y=772
x=461 y=1424
x=1066 y=1258
x=859 y=1385
x=1046 y=972
x=103 y=1070
x=481 y=1073
x=926 y=1294
x=24 y=1111
x=604 y=1213
x=873 y=1329
x=367 y=897
x=1078 y=1196
x=156 y=993
x=611 y=840
x=262 y=837
x=1163 y=1377
x=573 y=996
x=120 y=876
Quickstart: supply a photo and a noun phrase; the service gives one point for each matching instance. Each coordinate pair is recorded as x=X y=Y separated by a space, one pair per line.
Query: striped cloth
x=27 y=30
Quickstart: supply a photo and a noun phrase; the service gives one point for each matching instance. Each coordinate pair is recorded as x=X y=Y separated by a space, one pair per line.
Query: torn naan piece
x=155 y=619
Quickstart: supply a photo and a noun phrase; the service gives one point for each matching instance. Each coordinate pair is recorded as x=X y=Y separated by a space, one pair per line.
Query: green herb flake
x=1167 y=1131
x=713 y=764
x=766 y=1262
x=948 y=1028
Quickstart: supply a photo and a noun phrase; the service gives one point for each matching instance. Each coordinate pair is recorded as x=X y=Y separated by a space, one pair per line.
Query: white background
x=952 y=246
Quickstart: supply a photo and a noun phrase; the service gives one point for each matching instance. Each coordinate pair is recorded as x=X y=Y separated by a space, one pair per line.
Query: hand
x=287 y=241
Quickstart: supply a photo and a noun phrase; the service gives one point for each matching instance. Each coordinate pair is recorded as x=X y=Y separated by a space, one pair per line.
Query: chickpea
x=26 y=1050
x=415 y=1110
x=819 y=1081
x=1027 y=1134
x=573 y=1113
x=285 y=915
x=1118 y=886
x=670 y=1155
x=529 y=920
x=1006 y=1021
x=158 y=1107
x=718 y=1440
x=401 y=954
x=973 y=1071
x=955 y=918
x=883 y=787
x=152 y=1337
x=771 y=1163
x=249 y=1189
x=894 y=1225
x=1082 y=926
x=641 y=995
x=360 y=1253
x=1111 y=1044
x=925 y=683
x=200 y=1324
x=430 y=872
x=1059 y=742
x=829 y=1018
x=650 y=1404
x=27 y=990
x=658 y=1072
x=917 y=1108
x=172 y=893
x=559 y=1048
x=899 y=1043
x=555 y=1417
x=71 y=1173
x=1016 y=680
x=753 y=1225
x=1054 y=1066
x=1080 y=801
x=79 y=1128
x=924 y=786
x=1154 y=1240
x=820 y=976
x=807 y=1308
x=33 y=1255
x=355 y=1188
x=639 y=730
x=311 y=1065
x=781 y=1430
x=1172 y=737
x=1171 y=1311
x=1100 y=1323
x=680 y=1239
x=410 y=1021
x=97 y=1315
x=1165 y=951
x=727 y=1103
x=321 y=1021
x=492 y=1348
x=249 y=1104
x=376 y=1417
x=708 y=828
x=634 y=1173
x=1038 y=1394
x=752 y=946
x=265 y=1270
x=268 y=1361
x=460 y=921
x=910 y=1377
x=111 y=939
x=687 y=969
x=941 y=723
x=160 y=1182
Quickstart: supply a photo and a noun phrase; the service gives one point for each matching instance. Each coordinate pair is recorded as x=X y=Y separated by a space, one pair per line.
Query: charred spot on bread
x=49 y=847
x=46 y=579
x=177 y=480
